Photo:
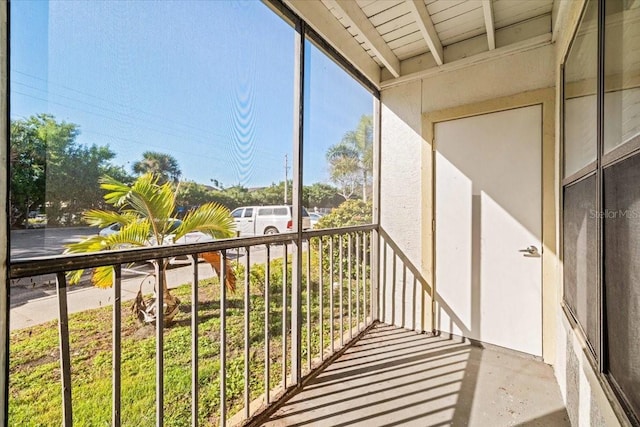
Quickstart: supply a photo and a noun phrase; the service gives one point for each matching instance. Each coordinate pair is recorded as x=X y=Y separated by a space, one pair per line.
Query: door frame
x=550 y=197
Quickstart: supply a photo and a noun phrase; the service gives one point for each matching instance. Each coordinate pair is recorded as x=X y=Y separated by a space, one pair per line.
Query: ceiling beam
x=324 y=23
x=355 y=17
x=487 y=7
x=561 y=9
x=428 y=30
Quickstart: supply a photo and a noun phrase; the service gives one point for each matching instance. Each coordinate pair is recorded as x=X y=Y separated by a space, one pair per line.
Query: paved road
x=45 y=241
x=39 y=304
x=33 y=300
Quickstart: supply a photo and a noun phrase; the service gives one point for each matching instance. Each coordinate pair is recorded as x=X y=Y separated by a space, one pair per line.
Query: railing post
x=65 y=351
x=374 y=274
x=267 y=338
x=350 y=304
x=117 y=348
x=321 y=296
x=285 y=259
x=358 y=280
x=331 y=306
x=309 y=329
x=160 y=278
x=194 y=343
x=223 y=339
x=341 y=280
x=247 y=332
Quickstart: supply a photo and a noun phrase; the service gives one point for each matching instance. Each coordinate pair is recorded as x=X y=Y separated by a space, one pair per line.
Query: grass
x=35 y=390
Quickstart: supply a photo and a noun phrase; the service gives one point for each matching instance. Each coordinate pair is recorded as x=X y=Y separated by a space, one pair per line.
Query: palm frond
x=102 y=277
x=215 y=261
x=210 y=218
x=134 y=234
x=90 y=244
x=101 y=218
x=151 y=199
x=117 y=191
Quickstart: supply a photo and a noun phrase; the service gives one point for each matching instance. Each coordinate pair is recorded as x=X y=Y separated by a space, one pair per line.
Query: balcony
x=302 y=347
x=496 y=282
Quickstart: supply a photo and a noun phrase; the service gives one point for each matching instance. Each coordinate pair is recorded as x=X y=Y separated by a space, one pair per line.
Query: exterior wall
x=405 y=200
x=406 y=206
x=586 y=398
x=402 y=285
x=507 y=75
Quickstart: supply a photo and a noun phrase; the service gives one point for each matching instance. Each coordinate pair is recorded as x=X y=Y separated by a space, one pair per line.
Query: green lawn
x=35 y=391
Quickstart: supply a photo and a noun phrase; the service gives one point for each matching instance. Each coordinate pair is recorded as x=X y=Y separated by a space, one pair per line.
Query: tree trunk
x=170 y=303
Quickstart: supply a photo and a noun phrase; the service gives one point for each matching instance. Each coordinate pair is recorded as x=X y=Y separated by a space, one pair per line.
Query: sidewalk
x=30 y=307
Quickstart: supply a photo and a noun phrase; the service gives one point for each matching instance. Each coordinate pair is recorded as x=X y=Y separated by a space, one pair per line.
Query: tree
x=189 y=194
x=351 y=160
x=51 y=170
x=273 y=194
x=162 y=165
x=320 y=195
x=144 y=211
x=28 y=161
x=350 y=212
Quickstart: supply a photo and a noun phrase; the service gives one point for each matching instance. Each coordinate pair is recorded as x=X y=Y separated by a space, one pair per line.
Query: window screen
x=581 y=256
x=622 y=274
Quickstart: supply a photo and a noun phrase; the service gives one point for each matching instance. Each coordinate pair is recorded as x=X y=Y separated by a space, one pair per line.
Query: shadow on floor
x=395 y=377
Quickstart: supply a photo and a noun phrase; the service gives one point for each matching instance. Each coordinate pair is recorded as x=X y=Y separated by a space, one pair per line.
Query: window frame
x=603 y=161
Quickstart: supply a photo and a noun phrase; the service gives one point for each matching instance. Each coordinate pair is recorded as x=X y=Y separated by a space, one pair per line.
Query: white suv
x=256 y=220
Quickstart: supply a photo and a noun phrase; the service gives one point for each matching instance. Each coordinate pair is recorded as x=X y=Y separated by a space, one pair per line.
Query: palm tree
x=144 y=213
x=353 y=157
x=165 y=166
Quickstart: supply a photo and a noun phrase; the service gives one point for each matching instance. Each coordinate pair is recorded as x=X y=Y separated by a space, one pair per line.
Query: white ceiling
x=395 y=40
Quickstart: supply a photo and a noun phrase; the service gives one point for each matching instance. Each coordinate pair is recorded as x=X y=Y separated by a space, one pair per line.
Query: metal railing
x=337 y=298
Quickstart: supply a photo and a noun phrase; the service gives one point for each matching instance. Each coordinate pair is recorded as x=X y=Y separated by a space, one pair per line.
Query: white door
x=489 y=228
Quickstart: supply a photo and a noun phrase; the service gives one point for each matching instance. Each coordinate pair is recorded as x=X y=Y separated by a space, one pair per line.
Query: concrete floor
x=394 y=377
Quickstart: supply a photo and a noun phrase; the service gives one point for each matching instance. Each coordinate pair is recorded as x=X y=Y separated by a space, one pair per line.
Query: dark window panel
x=581 y=256
x=622 y=275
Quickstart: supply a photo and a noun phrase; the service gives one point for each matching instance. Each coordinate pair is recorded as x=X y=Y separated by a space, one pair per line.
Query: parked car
x=257 y=220
x=315 y=217
x=192 y=237
x=36 y=220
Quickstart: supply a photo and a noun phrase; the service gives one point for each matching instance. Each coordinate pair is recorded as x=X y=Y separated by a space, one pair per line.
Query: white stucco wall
x=400 y=213
x=520 y=72
x=402 y=151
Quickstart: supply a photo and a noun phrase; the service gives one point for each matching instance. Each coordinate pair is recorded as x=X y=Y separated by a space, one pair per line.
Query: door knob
x=530 y=251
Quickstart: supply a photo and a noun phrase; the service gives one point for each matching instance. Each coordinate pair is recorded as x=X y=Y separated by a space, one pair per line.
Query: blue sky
x=209 y=82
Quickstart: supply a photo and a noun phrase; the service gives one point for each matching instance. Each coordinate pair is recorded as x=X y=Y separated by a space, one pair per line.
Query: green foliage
x=162 y=165
x=28 y=160
x=190 y=194
x=350 y=212
x=34 y=381
x=321 y=195
x=351 y=160
x=49 y=168
x=145 y=209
